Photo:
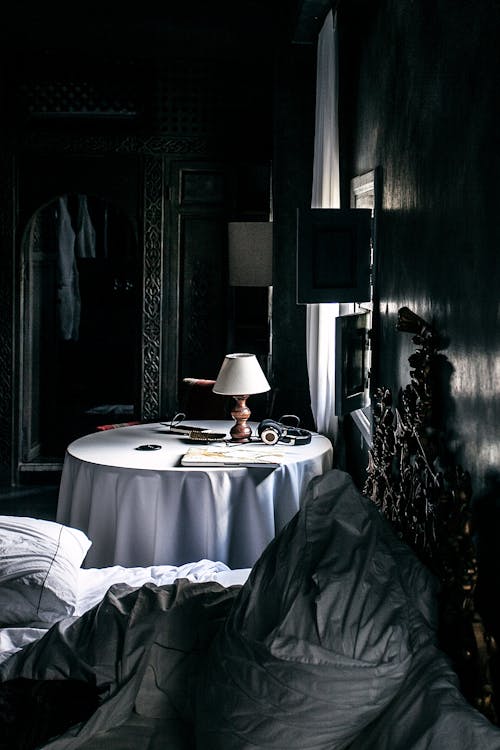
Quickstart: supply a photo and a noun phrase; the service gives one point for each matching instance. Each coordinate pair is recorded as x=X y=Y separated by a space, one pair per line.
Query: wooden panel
x=202 y=186
x=203 y=304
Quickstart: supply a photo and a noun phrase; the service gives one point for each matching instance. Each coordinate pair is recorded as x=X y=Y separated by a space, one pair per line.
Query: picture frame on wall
x=352 y=362
x=333 y=255
x=358 y=340
x=366 y=193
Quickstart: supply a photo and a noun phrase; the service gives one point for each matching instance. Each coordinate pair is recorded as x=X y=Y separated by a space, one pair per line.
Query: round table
x=143 y=508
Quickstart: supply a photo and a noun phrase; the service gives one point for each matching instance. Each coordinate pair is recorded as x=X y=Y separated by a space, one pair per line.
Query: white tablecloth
x=143 y=508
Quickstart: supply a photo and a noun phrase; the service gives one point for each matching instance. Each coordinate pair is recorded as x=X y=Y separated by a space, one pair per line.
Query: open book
x=239 y=455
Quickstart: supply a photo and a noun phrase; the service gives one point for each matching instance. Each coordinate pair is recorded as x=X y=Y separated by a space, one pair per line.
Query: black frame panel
x=333 y=255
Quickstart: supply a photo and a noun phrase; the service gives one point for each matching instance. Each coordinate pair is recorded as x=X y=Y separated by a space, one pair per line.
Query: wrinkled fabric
x=429 y=713
x=140 y=647
x=322 y=634
x=329 y=644
x=39 y=564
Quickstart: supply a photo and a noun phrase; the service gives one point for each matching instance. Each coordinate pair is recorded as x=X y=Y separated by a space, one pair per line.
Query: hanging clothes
x=85 y=235
x=68 y=291
x=75 y=239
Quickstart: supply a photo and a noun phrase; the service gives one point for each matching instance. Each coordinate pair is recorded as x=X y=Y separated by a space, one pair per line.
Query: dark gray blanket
x=141 y=649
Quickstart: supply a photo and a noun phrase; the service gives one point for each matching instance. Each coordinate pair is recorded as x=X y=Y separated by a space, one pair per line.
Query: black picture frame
x=333 y=255
x=352 y=362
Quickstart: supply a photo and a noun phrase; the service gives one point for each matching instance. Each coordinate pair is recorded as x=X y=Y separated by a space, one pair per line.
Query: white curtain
x=320 y=328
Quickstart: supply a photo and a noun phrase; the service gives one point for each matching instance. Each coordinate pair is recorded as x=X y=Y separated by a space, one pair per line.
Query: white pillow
x=39 y=563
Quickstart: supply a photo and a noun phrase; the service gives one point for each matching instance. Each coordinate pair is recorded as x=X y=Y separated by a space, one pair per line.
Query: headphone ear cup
x=267 y=423
x=296 y=436
x=269 y=431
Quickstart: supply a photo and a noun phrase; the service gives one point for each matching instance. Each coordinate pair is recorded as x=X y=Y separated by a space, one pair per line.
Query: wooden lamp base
x=240 y=413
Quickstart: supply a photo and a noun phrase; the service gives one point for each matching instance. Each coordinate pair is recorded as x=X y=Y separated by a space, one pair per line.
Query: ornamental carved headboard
x=426 y=496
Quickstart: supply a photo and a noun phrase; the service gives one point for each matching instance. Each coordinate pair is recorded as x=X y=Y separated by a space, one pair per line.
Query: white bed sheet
x=93 y=583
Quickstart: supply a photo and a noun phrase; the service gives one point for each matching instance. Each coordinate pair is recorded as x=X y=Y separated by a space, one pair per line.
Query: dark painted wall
x=294 y=98
x=421 y=98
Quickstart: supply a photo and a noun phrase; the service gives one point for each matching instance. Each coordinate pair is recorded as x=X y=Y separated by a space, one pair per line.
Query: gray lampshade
x=250 y=246
x=240 y=375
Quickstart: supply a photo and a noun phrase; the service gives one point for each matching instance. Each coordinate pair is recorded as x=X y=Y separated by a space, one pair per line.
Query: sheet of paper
x=244 y=455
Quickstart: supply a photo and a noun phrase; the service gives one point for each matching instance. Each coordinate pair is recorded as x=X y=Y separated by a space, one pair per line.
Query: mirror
x=81 y=287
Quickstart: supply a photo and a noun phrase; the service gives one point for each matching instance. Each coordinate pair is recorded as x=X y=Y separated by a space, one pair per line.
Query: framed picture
x=333 y=255
x=352 y=362
x=366 y=192
x=365 y=189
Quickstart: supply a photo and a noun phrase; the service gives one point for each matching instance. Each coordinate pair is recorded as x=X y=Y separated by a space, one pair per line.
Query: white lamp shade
x=250 y=245
x=240 y=375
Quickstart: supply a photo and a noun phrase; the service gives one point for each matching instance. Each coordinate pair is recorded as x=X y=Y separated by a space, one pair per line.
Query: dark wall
x=294 y=97
x=420 y=85
x=173 y=109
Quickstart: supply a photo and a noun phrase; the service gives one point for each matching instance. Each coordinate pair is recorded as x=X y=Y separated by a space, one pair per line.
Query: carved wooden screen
x=426 y=496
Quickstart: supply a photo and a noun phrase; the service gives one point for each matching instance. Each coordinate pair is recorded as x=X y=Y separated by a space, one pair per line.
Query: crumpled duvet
x=141 y=647
x=329 y=644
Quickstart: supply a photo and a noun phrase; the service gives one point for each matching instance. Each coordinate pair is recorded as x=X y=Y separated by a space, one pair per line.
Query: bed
x=66 y=632
x=334 y=638
x=42 y=579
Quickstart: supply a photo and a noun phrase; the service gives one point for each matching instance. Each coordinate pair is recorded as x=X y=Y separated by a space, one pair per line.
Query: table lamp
x=239 y=377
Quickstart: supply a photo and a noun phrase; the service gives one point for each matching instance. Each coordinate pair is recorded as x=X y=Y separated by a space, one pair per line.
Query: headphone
x=271 y=432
